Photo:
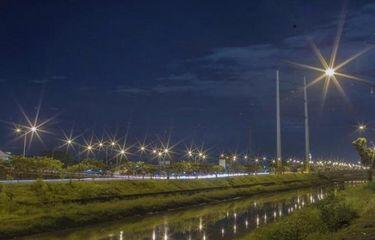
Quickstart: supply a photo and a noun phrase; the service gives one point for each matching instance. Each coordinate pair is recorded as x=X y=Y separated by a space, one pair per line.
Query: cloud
x=40 y=81
x=122 y=89
x=48 y=79
x=58 y=77
x=249 y=71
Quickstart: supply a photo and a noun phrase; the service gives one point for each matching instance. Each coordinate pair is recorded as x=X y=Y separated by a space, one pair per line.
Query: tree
x=94 y=163
x=216 y=169
x=87 y=164
x=367 y=155
x=236 y=167
x=66 y=158
x=180 y=168
x=4 y=169
x=23 y=167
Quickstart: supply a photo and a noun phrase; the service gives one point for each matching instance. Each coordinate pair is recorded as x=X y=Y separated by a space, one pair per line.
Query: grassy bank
x=39 y=207
x=345 y=215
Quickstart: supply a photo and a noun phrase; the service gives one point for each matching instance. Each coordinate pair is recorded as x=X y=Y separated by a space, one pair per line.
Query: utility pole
x=24 y=145
x=307 y=132
x=278 y=130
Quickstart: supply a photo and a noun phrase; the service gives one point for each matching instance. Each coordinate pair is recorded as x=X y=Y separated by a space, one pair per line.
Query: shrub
x=371 y=186
x=295 y=227
x=7 y=203
x=335 y=212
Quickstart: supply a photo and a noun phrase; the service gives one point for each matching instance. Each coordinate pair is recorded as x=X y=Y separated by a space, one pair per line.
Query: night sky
x=201 y=71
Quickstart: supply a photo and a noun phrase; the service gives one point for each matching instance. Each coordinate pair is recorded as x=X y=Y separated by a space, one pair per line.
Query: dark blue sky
x=201 y=70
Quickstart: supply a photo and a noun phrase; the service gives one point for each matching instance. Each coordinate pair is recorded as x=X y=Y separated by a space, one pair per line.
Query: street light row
x=163 y=151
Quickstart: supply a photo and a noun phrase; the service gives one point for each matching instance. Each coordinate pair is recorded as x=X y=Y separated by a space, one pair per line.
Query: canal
x=225 y=220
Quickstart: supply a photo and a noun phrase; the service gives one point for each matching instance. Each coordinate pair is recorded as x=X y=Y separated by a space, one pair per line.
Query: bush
x=294 y=227
x=371 y=186
x=335 y=212
x=7 y=204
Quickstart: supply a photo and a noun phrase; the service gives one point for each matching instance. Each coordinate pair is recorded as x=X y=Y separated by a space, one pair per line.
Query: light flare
x=330 y=69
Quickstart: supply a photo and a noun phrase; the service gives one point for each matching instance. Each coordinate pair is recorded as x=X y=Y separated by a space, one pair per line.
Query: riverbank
x=40 y=207
x=341 y=216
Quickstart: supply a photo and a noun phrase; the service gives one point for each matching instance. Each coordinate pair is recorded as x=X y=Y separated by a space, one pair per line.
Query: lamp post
x=18 y=130
x=27 y=130
x=307 y=132
x=278 y=127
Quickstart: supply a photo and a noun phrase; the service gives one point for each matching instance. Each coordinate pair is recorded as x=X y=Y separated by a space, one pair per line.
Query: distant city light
x=361 y=127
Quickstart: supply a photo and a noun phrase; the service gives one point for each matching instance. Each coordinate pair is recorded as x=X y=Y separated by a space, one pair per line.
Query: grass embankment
x=346 y=215
x=41 y=206
x=182 y=221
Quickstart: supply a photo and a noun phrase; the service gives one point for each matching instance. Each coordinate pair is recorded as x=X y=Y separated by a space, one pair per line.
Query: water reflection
x=221 y=221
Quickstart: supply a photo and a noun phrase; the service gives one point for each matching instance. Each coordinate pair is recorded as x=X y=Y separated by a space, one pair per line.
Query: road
x=122 y=178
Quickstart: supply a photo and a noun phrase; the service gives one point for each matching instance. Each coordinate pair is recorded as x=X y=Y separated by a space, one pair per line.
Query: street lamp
x=330 y=72
x=190 y=153
x=18 y=130
x=362 y=127
x=33 y=129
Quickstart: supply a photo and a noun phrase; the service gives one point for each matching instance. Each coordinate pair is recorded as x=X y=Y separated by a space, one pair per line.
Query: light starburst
x=330 y=69
x=33 y=127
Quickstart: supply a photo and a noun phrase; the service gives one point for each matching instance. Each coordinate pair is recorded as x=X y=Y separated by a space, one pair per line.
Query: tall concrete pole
x=307 y=132
x=278 y=130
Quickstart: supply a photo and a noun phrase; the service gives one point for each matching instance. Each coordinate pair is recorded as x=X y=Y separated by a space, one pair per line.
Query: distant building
x=222 y=162
x=4 y=156
x=164 y=162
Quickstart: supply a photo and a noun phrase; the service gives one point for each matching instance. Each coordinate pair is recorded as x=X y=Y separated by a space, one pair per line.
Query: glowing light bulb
x=330 y=72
